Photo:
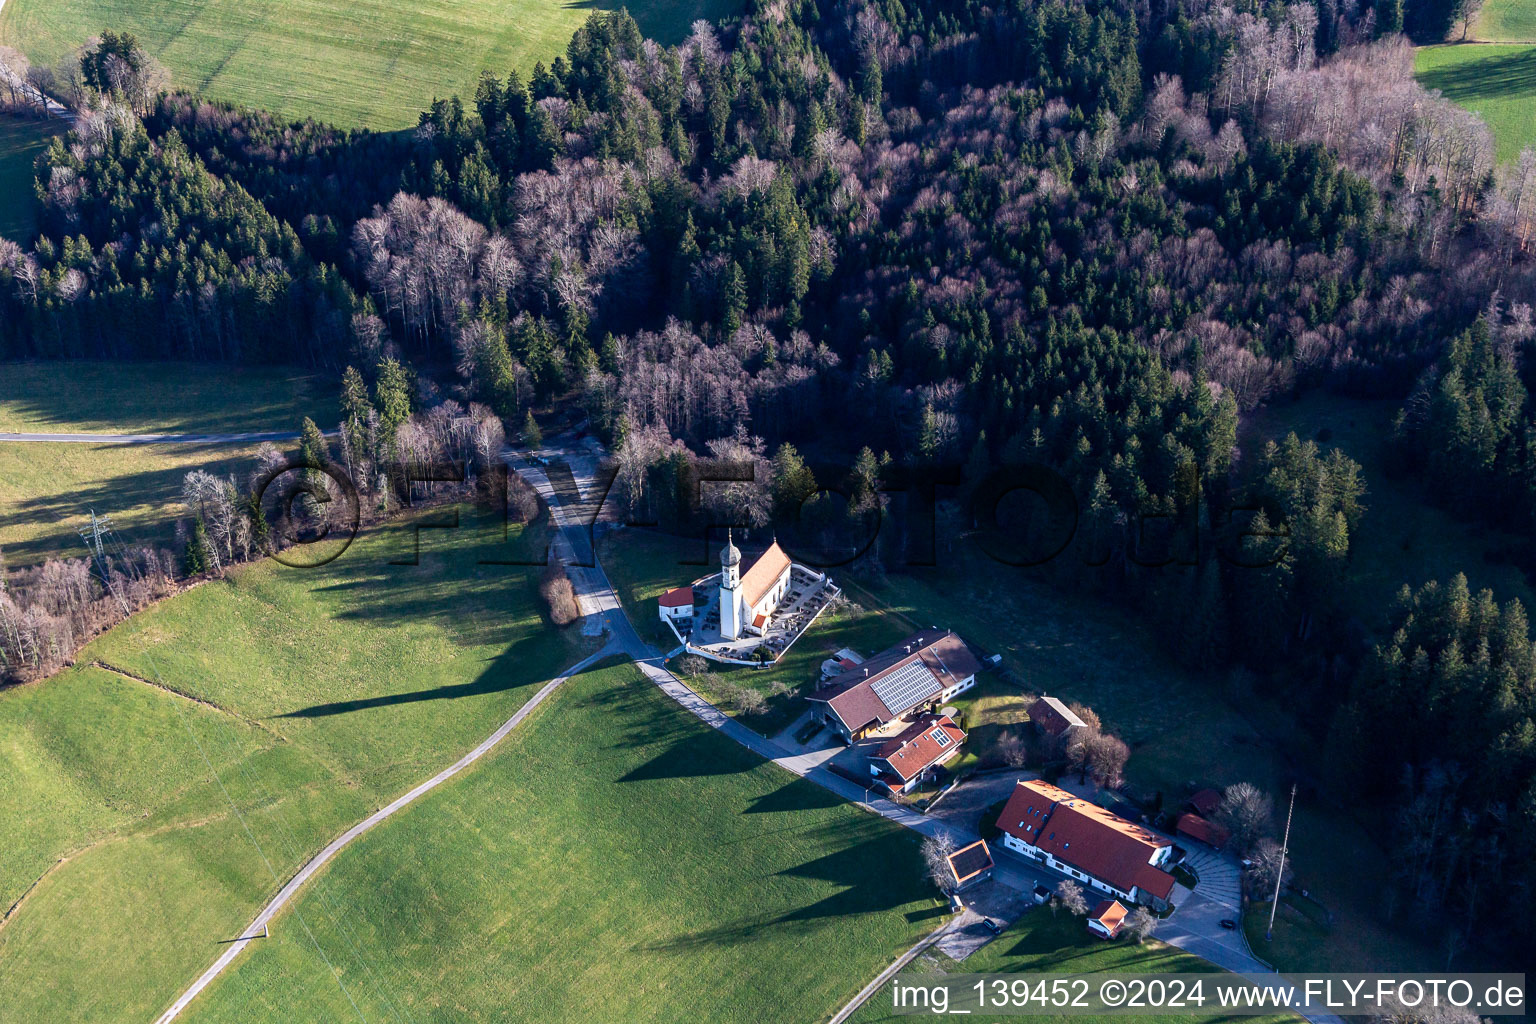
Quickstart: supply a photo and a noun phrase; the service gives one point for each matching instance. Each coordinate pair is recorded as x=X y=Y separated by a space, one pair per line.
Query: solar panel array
x=903 y=688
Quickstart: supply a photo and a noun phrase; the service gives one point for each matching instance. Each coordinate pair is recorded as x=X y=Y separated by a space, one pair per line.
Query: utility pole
x=1269 y=933
x=92 y=535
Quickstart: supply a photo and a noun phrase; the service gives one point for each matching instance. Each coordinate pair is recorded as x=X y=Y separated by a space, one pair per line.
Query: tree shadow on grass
x=499 y=677
x=792 y=797
x=877 y=873
x=1501 y=76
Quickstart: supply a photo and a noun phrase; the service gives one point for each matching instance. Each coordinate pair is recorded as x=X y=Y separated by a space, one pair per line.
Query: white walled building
x=748 y=600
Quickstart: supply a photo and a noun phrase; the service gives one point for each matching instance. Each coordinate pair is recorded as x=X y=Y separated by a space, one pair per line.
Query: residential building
x=1107 y=918
x=903 y=760
x=920 y=673
x=1087 y=842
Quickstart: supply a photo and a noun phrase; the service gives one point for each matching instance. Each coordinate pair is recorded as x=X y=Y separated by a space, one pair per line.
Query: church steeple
x=730 y=563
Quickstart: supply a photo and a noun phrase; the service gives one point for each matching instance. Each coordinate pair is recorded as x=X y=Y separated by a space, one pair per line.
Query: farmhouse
x=970 y=864
x=1107 y=918
x=1054 y=718
x=902 y=760
x=1084 y=840
x=921 y=672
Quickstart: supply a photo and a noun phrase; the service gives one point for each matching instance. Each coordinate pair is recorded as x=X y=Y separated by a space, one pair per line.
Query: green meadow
x=47 y=489
x=21 y=140
x=1511 y=21
x=368 y=63
x=159 y=792
x=612 y=859
x=1497 y=82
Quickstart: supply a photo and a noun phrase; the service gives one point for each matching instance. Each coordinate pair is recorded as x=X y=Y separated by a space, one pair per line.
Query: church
x=749 y=599
x=747 y=614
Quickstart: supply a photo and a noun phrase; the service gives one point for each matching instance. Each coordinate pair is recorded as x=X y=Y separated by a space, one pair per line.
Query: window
x=940 y=737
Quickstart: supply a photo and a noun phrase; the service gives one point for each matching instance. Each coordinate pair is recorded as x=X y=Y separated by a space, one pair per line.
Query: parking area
x=990 y=900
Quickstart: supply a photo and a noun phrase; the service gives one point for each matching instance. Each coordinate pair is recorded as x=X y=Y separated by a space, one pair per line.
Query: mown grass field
x=47 y=489
x=1511 y=21
x=1497 y=82
x=369 y=63
x=613 y=859
x=154 y=826
x=21 y=140
x=1058 y=945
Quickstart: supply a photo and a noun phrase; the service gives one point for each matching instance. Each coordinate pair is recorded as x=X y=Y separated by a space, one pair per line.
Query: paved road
x=286 y=894
x=154 y=438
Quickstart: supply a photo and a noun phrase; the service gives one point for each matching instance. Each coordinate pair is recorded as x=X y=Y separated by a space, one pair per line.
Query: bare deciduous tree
x=935 y=852
x=1141 y=924
x=1247 y=813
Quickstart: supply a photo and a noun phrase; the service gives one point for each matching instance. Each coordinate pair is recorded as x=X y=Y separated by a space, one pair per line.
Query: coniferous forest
x=903 y=234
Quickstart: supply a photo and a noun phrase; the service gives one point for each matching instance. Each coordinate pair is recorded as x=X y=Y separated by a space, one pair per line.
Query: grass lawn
x=21 y=140
x=1496 y=82
x=327 y=693
x=370 y=63
x=612 y=859
x=642 y=564
x=1511 y=21
x=1042 y=943
x=46 y=489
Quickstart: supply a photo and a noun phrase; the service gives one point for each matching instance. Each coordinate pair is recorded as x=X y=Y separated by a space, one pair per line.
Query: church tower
x=730 y=589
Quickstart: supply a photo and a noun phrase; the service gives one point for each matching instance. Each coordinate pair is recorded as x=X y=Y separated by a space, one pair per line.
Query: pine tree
x=531 y=435
x=261 y=533
x=195 y=562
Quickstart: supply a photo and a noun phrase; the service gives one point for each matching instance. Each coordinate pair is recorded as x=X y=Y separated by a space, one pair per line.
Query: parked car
x=1228 y=923
x=991 y=926
x=1041 y=893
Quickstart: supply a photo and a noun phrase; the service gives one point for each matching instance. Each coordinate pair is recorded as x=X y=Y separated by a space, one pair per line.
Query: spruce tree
x=195 y=562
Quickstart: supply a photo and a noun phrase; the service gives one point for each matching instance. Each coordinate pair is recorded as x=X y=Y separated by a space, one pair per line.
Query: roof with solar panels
x=897 y=680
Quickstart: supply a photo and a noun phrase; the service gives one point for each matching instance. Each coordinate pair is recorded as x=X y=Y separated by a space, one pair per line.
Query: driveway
x=964 y=805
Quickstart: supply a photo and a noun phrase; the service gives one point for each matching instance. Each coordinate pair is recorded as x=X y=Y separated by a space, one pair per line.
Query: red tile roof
x=1088 y=837
x=765 y=572
x=1205 y=802
x=1207 y=832
x=919 y=745
x=1110 y=914
x=676 y=597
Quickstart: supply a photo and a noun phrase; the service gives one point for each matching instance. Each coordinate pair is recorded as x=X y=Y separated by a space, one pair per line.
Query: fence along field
x=354 y=63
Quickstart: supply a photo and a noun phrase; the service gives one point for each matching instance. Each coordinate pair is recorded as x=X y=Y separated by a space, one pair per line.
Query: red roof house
x=1086 y=841
x=901 y=761
x=1106 y=919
